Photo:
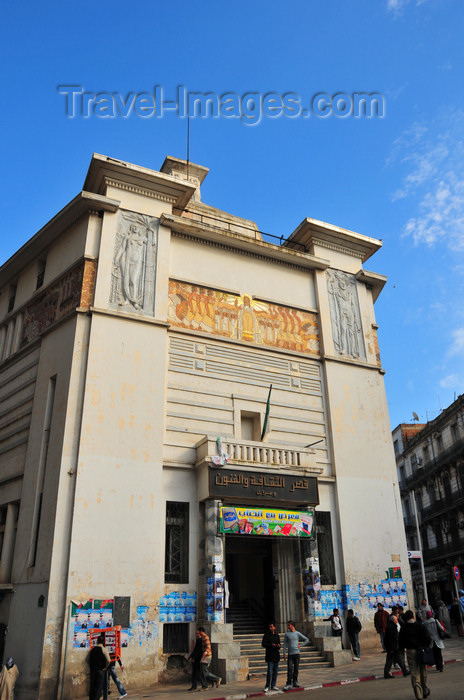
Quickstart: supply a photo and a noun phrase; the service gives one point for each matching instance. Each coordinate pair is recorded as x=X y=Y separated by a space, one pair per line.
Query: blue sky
x=399 y=178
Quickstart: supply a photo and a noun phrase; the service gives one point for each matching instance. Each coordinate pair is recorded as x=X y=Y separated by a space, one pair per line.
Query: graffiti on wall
x=242 y=318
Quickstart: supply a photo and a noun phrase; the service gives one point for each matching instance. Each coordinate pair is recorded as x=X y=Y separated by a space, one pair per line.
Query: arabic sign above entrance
x=246 y=485
x=265 y=521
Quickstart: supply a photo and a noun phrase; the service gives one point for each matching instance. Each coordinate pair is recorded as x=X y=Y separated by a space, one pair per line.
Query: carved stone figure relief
x=345 y=314
x=134 y=263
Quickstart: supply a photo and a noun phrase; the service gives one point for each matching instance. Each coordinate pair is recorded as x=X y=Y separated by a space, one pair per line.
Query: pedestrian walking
x=98 y=660
x=443 y=615
x=401 y=619
x=380 y=623
x=413 y=637
x=394 y=655
x=292 y=641
x=424 y=608
x=114 y=676
x=8 y=678
x=205 y=661
x=455 y=616
x=353 y=627
x=271 y=643
x=435 y=631
x=195 y=658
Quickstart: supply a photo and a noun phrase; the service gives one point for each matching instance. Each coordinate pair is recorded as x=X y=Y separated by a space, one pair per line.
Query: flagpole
x=266 y=415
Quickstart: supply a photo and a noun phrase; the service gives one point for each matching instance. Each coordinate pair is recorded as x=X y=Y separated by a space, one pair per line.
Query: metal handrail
x=281 y=239
x=435 y=463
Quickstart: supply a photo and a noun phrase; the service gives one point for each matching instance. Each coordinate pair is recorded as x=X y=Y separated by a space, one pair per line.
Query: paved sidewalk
x=369 y=668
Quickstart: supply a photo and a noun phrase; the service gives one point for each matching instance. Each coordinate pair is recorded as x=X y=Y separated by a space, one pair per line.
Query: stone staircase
x=245 y=619
x=250 y=647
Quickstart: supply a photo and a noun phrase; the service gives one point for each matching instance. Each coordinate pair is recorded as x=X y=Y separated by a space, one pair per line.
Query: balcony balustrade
x=254 y=454
x=409 y=521
x=432 y=465
x=450 y=549
x=442 y=505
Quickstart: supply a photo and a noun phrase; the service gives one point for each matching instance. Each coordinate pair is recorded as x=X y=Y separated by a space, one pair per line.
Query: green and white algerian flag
x=266 y=427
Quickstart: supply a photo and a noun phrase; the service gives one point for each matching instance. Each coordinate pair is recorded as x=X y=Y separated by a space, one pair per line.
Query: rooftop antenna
x=188 y=145
x=415 y=416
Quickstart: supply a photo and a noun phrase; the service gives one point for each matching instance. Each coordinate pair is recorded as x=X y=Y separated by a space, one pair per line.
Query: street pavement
x=448 y=685
x=324 y=682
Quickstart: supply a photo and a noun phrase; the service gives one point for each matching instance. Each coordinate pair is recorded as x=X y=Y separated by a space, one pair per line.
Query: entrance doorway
x=249 y=572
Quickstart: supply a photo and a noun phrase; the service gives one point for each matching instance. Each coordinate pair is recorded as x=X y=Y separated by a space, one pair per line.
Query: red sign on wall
x=112 y=637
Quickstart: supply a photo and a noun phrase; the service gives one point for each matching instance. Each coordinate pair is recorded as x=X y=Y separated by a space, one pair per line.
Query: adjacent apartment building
x=191 y=418
x=430 y=463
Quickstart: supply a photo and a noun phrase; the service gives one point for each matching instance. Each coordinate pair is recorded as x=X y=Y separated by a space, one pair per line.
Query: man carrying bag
x=415 y=639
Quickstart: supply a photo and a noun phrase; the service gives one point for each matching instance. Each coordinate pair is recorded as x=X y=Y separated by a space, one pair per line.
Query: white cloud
x=397 y=6
x=457 y=346
x=451 y=381
x=434 y=159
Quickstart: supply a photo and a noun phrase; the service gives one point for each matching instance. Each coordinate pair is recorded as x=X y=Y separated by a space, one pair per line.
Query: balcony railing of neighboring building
x=409 y=521
x=432 y=465
x=442 y=505
x=450 y=549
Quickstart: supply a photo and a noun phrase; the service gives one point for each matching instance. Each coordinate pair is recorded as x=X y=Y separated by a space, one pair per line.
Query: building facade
x=430 y=459
x=191 y=417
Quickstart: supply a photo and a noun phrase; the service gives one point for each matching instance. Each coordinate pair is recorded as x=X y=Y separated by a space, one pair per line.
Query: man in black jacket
x=271 y=642
x=413 y=636
x=391 y=645
x=353 y=627
x=98 y=660
x=195 y=658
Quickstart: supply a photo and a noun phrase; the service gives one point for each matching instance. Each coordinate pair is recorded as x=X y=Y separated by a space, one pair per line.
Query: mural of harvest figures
x=243 y=318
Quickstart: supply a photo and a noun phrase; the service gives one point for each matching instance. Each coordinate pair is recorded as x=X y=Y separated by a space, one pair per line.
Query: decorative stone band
x=74 y=289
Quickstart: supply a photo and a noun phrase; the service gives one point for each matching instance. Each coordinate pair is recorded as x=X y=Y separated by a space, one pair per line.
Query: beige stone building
x=140 y=481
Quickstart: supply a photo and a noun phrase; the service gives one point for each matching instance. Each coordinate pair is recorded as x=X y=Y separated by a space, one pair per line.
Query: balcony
x=421 y=473
x=409 y=521
x=442 y=505
x=451 y=549
x=262 y=454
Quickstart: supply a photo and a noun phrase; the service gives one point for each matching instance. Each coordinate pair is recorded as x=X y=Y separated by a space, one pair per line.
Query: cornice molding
x=233 y=249
x=312 y=232
x=373 y=280
x=338 y=248
x=212 y=235
x=349 y=361
x=83 y=203
x=136 y=189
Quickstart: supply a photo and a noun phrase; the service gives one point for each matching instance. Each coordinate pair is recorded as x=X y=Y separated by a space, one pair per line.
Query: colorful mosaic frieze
x=242 y=318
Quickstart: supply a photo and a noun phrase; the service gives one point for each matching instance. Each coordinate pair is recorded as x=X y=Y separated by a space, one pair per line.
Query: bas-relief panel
x=242 y=318
x=74 y=289
x=133 y=276
x=345 y=314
